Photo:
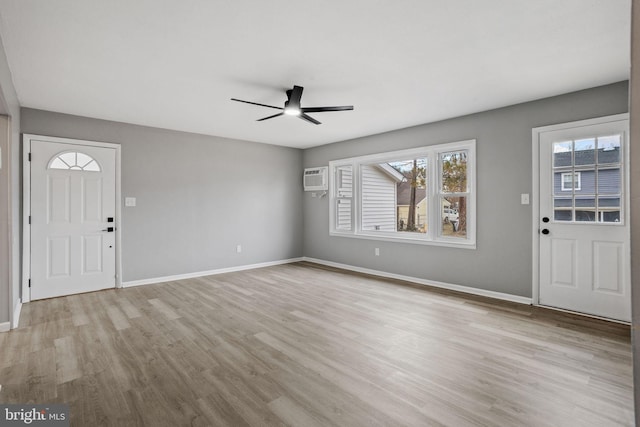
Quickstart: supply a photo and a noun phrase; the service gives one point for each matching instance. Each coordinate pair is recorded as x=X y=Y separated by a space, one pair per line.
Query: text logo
x=53 y=415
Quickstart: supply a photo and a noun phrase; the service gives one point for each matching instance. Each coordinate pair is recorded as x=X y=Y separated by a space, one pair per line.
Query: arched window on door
x=74 y=160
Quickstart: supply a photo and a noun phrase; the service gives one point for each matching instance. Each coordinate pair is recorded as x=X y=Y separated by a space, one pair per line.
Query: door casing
x=535 y=199
x=26 y=205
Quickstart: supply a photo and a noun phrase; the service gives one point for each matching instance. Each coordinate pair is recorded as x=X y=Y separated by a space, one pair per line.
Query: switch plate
x=524 y=199
x=377 y=252
x=238 y=248
x=130 y=201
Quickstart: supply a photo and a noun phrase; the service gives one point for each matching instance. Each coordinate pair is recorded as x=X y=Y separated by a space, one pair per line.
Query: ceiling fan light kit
x=289 y=111
x=292 y=107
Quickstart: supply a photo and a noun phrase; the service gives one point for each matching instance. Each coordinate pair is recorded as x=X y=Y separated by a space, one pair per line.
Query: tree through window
x=454 y=193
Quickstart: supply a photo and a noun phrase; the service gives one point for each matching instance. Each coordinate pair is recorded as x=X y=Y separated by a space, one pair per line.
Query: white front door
x=72 y=218
x=584 y=256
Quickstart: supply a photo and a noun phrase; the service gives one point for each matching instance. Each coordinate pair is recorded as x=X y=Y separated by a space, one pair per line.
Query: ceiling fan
x=292 y=107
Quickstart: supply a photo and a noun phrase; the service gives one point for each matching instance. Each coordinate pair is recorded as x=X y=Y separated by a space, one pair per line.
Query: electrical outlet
x=377 y=251
x=238 y=248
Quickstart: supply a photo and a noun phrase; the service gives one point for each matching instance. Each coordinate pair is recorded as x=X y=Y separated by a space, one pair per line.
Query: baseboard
x=7 y=326
x=16 y=314
x=207 y=273
x=433 y=283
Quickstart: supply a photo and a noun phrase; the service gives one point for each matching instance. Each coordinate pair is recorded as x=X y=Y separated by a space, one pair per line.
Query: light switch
x=130 y=201
x=524 y=199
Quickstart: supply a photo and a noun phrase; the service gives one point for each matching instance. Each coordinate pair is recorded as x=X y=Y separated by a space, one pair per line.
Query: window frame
x=433 y=236
x=577 y=182
x=342 y=194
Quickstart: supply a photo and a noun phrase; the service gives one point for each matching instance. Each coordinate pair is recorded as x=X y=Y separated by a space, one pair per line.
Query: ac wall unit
x=315 y=179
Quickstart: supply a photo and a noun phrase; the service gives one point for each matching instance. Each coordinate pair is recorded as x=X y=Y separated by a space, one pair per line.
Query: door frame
x=535 y=188
x=26 y=204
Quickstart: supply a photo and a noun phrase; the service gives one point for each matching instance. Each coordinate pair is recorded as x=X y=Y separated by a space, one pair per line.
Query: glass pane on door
x=609 y=181
x=585 y=152
x=562 y=154
x=587 y=180
x=609 y=149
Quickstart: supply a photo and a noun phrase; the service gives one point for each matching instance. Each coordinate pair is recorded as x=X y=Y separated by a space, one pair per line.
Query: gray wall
x=9 y=194
x=502 y=260
x=197 y=196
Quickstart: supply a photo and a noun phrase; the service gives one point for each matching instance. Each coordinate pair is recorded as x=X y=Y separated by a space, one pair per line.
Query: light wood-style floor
x=304 y=345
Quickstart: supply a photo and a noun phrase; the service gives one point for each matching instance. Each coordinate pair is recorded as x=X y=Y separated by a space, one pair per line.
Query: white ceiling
x=176 y=64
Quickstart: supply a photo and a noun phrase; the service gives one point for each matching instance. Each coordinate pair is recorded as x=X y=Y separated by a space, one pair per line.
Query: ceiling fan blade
x=270 y=117
x=322 y=109
x=303 y=116
x=294 y=97
x=255 y=103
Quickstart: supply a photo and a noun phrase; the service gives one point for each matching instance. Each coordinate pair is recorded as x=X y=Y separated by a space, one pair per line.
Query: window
x=568 y=183
x=453 y=192
x=344 y=193
x=587 y=180
x=74 y=160
x=424 y=195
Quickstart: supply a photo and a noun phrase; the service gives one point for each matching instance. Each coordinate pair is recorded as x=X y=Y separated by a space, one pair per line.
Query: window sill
x=449 y=243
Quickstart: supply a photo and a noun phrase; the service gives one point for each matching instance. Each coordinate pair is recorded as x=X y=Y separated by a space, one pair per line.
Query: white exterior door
x=73 y=195
x=584 y=224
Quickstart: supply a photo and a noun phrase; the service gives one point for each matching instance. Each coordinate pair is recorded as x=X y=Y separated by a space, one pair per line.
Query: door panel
x=91 y=199
x=584 y=251
x=608 y=264
x=58 y=202
x=58 y=257
x=92 y=254
x=72 y=196
x=563 y=262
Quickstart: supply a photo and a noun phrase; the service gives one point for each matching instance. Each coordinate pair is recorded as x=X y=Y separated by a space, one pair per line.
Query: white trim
x=535 y=188
x=419 y=281
x=16 y=314
x=5 y=326
x=581 y=123
x=26 y=204
x=390 y=236
x=10 y=220
x=535 y=216
x=155 y=280
x=26 y=211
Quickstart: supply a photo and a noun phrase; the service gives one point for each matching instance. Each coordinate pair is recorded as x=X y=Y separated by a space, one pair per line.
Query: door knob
x=545 y=219
x=545 y=231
